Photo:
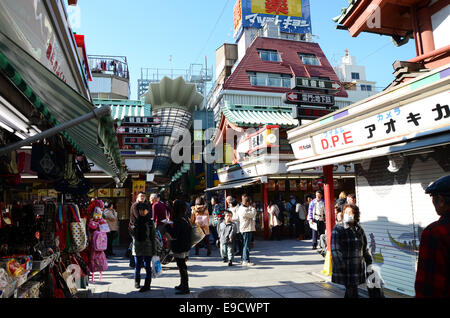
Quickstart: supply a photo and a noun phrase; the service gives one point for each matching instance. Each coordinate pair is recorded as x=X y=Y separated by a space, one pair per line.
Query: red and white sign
x=336 y=86
x=421 y=117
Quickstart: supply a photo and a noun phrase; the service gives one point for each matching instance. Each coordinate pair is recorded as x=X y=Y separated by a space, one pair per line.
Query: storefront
x=398 y=141
x=49 y=128
x=260 y=153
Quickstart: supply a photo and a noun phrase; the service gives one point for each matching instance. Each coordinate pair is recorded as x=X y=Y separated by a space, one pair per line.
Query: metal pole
x=96 y=113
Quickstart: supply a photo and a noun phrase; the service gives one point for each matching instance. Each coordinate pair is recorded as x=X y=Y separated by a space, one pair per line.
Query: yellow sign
x=104 y=193
x=138 y=186
x=118 y=193
x=228 y=154
x=292 y=8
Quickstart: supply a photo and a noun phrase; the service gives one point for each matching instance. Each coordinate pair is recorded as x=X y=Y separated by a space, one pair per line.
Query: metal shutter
x=394 y=210
x=385 y=202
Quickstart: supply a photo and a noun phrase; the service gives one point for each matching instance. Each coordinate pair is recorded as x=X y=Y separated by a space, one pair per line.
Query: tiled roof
x=242 y=115
x=291 y=64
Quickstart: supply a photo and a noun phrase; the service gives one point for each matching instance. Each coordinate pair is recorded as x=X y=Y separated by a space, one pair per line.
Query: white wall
x=441 y=27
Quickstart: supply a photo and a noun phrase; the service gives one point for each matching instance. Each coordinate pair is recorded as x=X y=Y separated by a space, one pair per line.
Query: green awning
x=59 y=103
x=244 y=115
x=121 y=108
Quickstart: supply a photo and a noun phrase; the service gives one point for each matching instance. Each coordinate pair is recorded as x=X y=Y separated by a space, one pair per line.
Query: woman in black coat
x=349 y=252
x=179 y=234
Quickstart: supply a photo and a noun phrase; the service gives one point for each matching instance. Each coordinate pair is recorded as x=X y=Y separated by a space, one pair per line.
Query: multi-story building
x=353 y=78
x=248 y=104
x=110 y=77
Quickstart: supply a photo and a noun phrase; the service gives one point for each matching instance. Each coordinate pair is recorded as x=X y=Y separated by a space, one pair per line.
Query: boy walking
x=227 y=233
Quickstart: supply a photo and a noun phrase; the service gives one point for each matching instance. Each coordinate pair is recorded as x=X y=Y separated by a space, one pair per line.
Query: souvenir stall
x=49 y=240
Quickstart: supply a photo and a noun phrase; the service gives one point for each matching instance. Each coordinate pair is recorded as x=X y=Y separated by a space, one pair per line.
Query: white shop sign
x=401 y=123
x=239 y=173
x=29 y=25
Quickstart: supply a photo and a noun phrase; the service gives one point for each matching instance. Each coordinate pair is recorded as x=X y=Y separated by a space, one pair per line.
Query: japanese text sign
x=423 y=117
x=293 y=16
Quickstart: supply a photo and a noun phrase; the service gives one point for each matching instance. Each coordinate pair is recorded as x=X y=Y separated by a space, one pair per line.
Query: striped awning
x=121 y=108
x=243 y=115
x=59 y=103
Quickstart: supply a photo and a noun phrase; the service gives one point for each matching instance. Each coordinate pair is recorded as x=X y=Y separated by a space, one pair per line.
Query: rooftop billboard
x=293 y=16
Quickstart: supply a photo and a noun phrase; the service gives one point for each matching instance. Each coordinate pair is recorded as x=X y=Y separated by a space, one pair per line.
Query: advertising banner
x=293 y=16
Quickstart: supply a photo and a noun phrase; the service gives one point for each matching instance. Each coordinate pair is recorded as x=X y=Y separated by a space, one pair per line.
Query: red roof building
x=289 y=64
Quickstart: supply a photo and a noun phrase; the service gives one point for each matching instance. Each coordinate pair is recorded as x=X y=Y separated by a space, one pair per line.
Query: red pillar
x=265 y=187
x=226 y=203
x=329 y=202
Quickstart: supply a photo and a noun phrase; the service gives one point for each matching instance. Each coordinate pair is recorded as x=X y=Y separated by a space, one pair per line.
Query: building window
x=269 y=79
x=269 y=55
x=366 y=88
x=309 y=59
x=355 y=76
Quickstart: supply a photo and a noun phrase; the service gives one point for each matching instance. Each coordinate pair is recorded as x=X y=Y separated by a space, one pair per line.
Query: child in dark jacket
x=227 y=233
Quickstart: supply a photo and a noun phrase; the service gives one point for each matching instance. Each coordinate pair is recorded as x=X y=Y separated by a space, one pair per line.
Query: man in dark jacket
x=433 y=275
x=179 y=233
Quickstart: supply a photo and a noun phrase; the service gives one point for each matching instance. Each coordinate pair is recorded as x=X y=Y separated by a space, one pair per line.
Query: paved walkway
x=283 y=269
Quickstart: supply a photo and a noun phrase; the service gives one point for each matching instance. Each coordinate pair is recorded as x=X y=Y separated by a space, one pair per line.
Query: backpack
x=98 y=262
x=99 y=241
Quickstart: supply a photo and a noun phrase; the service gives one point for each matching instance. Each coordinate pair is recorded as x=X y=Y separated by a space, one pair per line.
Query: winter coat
x=349 y=252
x=235 y=217
x=111 y=218
x=246 y=219
x=180 y=231
x=227 y=232
x=148 y=246
x=274 y=212
x=200 y=210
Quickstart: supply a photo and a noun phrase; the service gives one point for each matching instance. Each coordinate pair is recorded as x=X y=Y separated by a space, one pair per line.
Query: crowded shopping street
x=252 y=150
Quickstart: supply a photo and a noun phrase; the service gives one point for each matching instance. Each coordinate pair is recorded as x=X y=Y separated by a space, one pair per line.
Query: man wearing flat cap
x=433 y=269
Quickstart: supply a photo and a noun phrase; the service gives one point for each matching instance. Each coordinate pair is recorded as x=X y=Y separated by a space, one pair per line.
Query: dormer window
x=309 y=59
x=269 y=55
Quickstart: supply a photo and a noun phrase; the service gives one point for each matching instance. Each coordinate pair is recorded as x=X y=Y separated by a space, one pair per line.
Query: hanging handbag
x=48 y=160
x=69 y=278
x=197 y=234
x=78 y=232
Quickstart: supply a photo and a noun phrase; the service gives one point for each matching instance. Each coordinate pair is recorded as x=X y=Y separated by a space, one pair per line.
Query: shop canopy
x=405 y=148
x=59 y=103
x=253 y=116
x=406 y=119
x=236 y=185
x=121 y=108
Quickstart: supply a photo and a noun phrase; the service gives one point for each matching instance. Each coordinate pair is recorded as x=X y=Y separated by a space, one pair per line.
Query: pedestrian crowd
x=231 y=225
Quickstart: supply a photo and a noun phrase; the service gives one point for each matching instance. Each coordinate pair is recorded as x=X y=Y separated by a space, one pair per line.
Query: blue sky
x=147 y=32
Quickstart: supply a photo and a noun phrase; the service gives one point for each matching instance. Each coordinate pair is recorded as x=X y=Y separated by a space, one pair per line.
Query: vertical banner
x=303 y=185
x=272 y=185
x=293 y=185
x=281 y=185
x=137 y=187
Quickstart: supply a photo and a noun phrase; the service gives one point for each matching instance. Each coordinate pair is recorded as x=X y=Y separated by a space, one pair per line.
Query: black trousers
x=320 y=231
x=351 y=292
x=276 y=233
x=182 y=267
x=111 y=237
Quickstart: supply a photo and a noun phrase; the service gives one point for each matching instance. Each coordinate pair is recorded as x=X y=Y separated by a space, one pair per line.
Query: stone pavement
x=283 y=269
